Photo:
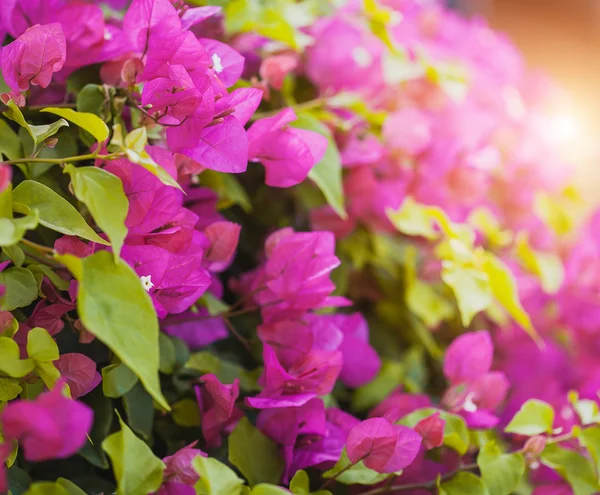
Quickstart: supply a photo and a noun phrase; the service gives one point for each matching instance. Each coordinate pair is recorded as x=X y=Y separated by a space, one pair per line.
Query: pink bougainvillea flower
x=295 y=277
x=223 y=238
x=227 y=64
x=217 y=408
x=196 y=15
x=407 y=130
x=345 y=55
x=431 y=430
x=174 y=282
x=196 y=329
x=292 y=378
x=5 y=176
x=382 y=446
x=275 y=68
x=171 y=99
x=241 y=102
x=33 y=57
x=79 y=372
x=475 y=392
x=399 y=404
x=288 y=154
x=360 y=361
x=179 y=465
x=50 y=427
x=468 y=357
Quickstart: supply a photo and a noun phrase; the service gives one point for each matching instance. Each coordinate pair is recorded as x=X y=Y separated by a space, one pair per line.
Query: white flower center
x=469 y=405
x=147 y=282
x=534 y=465
x=217 y=67
x=362 y=57
x=107 y=35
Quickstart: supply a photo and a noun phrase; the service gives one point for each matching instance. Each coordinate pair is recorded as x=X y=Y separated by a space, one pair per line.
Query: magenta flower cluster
x=403 y=297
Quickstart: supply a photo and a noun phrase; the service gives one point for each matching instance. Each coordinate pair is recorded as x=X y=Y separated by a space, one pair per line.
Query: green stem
x=38 y=247
x=81 y=158
x=307 y=105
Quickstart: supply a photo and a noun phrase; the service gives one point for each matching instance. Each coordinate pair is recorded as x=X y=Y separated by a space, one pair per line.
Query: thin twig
x=80 y=158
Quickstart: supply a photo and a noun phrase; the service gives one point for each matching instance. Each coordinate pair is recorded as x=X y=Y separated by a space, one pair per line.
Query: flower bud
x=535 y=445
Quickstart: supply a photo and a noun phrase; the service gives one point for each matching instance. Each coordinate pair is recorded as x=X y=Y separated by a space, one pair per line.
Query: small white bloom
x=147 y=282
x=469 y=405
x=567 y=413
x=107 y=35
x=217 y=67
x=534 y=465
x=362 y=57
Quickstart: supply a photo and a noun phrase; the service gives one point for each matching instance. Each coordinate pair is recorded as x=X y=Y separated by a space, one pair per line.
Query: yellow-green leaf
x=215 y=477
x=38 y=133
x=115 y=307
x=10 y=361
x=102 y=192
x=87 y=121
x=533 y=418
x=136 y=468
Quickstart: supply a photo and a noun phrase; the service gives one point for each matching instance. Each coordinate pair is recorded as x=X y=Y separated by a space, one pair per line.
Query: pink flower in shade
x=217 y=408
x=399 y=404
x=196 y=329
x=475 y=392
x=79 y=372
x=171 y=98
x=33 y=57
x=5 y=176
x=431 y=430
x=360 y=361
x=50 y=427
x=295 y=277
x=223 y=238
x=179 y=475
x=275 y=68
x=382 y=446
x=288 y=154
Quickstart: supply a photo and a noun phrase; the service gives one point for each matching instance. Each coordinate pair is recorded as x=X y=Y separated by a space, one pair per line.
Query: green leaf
x=136 y=468
x=501 y=472
x=10 y=144
x=10 y=361
x=414 y=219
x=140 y=411
x=266 y=489
x=456 y=433
x=102 y=192
x=15 y=253
x=256 y=456
x=471 y=288
x=43 y=350
x=186 y=413
x=327 y=174
x=91 y=99
x=103 y=418
x=573 y=467
x=389 y=377
x=215 y=477
x=117 y=380
x=9 y=389
x=12 y=229
x=300 y=485
x=55 y=212
x=46 y=271
x=504 y=289
x=590 y=439
x=357 y=474
x=62 y=486
x=533 y=418
x=228 y=188
x=21 y=288
x=463 y=484
x=168 y=357
x=546 y=265
x=226 y=371
x=87 y=121
x=114 y=306
x=39 y=133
